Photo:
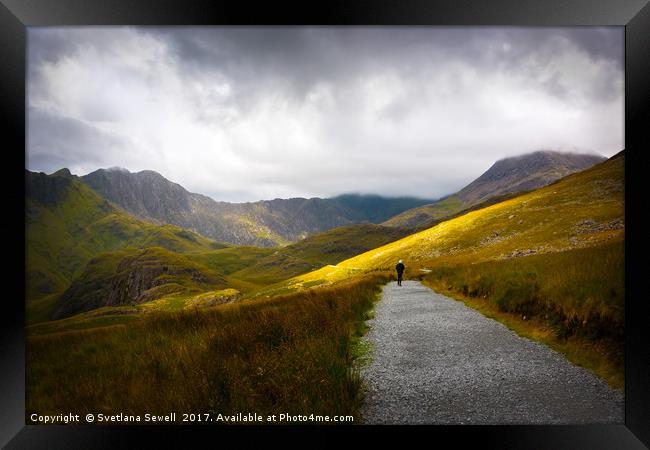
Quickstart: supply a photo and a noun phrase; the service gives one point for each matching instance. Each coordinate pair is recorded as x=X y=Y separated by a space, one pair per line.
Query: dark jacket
x=400 y=268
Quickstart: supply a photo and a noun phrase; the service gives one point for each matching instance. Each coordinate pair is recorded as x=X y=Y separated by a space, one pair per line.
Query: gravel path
x=437 y=361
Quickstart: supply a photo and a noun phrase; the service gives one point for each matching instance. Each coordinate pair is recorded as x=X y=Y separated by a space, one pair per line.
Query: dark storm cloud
x=249 y=112
x=305 y=56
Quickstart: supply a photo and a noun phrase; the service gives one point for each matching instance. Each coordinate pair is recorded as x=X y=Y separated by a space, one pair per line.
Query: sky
x=251 y=113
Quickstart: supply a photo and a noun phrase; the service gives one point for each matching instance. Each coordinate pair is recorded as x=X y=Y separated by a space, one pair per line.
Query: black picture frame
x=16 y=15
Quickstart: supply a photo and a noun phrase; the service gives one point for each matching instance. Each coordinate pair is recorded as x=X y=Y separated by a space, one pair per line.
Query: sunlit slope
x=428 y=213
x=581 y=210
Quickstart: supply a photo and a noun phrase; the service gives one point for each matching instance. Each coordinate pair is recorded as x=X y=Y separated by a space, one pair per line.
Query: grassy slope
x=62 y=236
x=290 y=354
x=555 y=253
x=329 y=247
x=245 y=269
x=427 y=213
x=133 y=276
x=232 y=259
x=175 y=290
x=67 y=225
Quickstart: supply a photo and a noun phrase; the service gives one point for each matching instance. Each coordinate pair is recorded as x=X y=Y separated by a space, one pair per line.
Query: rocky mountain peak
x=525 y=172
x=65 y=172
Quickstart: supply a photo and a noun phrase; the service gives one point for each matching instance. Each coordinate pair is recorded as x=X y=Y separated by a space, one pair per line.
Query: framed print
x=361 y=214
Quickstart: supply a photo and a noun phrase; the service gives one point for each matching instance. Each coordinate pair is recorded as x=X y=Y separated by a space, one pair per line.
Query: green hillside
x=99 y=295
x=329 y=247
x=231 y=259
x=67 y=224
x=427 y=213
x=133 y=276
x=243 y=269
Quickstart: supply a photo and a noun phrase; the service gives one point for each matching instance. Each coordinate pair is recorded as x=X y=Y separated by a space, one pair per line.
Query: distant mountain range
x=506 y=176
x=153 y=198
x=150 y=196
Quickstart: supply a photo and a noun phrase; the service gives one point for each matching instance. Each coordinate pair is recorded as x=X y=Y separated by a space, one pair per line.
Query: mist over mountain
x=525 y=172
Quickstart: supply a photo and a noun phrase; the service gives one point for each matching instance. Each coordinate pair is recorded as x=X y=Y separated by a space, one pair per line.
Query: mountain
x=524 y=173
x=375 y=208
x=67 y=224
x=506 y=176
x=152 y=197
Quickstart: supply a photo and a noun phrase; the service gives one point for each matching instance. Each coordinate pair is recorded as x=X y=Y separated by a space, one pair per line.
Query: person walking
x=400 y=271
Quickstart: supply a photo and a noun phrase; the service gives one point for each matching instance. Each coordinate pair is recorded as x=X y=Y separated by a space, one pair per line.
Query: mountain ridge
x=265 y=223
x=506 y=176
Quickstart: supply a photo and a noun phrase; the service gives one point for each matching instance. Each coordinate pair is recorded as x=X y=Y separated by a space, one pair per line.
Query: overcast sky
x=243 y=114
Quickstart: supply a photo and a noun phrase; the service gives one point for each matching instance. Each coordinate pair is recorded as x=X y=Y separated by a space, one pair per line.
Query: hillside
x=506 y=176
x=582 y=210
x=246 y=269
x=328 y=247
x=130 y=281
x=150 y=196
x=133 y=276
x=67 y=224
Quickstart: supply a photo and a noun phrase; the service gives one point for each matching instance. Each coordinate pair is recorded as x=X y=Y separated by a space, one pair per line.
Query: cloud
x=245 y=113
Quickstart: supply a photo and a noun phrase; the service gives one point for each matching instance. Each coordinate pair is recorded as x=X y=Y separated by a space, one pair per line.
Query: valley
x=548 y=262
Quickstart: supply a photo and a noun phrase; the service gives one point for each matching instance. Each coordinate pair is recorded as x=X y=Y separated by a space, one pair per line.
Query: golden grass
x=287 y=354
